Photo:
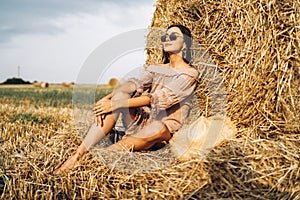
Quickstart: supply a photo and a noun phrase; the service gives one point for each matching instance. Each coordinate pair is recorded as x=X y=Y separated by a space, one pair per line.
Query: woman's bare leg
x=155 y=133
x=94 y=135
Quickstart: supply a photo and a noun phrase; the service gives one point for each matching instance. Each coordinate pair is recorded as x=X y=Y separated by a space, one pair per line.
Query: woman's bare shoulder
x=158 y=64
x=167 y=65
x=190 y=70
x=185 y=65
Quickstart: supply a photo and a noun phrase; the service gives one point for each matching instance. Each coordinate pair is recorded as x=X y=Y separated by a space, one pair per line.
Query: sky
x=50 y=40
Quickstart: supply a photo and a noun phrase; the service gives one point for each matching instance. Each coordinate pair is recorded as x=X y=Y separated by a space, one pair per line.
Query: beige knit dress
x=170 y=90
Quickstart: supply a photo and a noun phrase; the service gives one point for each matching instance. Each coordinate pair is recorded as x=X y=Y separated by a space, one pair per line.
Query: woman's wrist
x=120 y=103
x=131 y=102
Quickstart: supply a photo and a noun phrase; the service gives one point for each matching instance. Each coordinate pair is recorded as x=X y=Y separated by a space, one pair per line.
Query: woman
x=150 y=118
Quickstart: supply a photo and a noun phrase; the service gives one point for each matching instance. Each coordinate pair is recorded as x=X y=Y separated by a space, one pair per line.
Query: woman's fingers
x=100 y=102
x=103 y=108
x=100 y=119
x=97 y=110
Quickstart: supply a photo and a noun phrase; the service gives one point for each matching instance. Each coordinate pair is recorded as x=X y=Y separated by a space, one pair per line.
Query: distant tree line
x=15 y=81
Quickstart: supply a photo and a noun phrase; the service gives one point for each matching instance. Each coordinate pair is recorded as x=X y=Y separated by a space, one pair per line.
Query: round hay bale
x=255 y=46
x=36 y=84
x=256 y=52
x=44 y=85
x=113 y=82
x=64 y=84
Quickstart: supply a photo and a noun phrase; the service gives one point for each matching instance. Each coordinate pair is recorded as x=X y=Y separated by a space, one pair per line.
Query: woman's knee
x=132 y=143
x=163 y=135
x=158 y=134
x=155 y=131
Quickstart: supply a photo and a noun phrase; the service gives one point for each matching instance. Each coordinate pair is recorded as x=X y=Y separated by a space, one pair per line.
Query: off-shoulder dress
x=170 y=90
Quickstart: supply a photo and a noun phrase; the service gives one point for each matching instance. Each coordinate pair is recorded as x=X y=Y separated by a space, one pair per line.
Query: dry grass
x=242 y=168
x=31 y=151
x=255 y=45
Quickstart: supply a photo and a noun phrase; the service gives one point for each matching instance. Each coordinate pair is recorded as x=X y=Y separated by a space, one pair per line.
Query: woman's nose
x=168 y=38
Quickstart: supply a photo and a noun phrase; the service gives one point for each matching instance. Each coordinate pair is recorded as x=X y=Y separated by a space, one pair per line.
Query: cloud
x=51 y=40
x=35 y=16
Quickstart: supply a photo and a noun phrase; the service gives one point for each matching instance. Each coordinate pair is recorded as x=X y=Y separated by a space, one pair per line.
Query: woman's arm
x=127 y=87
x=134 y=102
x=109 y=96
x=107 y=106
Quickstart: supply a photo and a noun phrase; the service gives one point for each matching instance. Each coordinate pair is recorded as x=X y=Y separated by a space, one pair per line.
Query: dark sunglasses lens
x=163 y=38
x=173 y=36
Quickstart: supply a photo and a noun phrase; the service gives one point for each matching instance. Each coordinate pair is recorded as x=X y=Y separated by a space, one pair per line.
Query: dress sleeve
x=174 y=92
x=143 y=81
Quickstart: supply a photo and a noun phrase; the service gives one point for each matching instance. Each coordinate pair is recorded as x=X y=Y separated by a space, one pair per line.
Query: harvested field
x=34 y=141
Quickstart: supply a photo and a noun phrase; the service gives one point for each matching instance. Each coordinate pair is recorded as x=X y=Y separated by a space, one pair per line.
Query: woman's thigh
x=128 y=114
x=154 y=133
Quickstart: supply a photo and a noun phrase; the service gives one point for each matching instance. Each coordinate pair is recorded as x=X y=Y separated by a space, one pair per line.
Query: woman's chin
x=172 y=50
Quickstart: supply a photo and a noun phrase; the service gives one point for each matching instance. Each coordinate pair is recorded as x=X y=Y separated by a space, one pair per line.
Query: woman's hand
x=105 y=106
x=102 y=107
x=107 y=97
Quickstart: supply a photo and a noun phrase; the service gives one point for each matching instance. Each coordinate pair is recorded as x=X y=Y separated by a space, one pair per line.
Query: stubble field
x=37 y=134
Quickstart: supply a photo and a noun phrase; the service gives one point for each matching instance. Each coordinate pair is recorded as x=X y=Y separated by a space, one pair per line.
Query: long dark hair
x=187 y=36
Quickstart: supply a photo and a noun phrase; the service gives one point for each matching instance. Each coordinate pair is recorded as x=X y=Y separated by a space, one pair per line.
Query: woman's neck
x=176 y=61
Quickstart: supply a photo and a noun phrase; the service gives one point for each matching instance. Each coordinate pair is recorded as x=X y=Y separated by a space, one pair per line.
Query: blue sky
x=50 y=40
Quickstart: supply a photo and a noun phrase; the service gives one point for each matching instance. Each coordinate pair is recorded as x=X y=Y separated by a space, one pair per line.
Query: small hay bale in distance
x=41 y=84
x=44 y=85
x=64 y=84
x=36 y=84
x=113 y=82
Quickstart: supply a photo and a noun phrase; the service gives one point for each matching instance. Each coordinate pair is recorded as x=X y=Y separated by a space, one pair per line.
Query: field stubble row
x=36 y=137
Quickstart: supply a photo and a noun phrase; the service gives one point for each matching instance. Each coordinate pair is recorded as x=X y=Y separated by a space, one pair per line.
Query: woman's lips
x=167 y=44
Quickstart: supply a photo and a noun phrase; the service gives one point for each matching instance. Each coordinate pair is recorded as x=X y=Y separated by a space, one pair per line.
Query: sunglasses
x=173 y=36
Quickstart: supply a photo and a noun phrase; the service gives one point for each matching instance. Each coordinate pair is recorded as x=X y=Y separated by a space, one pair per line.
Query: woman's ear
x=184 y=46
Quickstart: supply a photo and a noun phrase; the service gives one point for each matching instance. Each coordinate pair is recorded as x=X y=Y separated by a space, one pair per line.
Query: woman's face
x=173 y=46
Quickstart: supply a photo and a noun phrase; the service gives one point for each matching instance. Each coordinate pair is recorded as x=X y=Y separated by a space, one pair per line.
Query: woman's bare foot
x=69 y=164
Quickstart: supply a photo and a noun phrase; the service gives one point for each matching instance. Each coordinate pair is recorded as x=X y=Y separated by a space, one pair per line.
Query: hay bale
x=256 y=48
x=41 y=84
x=44 y=85
x=113 y=82
x=36 y=84
x=64 y=84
